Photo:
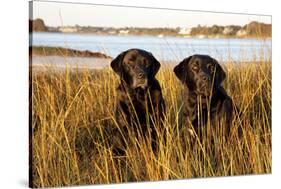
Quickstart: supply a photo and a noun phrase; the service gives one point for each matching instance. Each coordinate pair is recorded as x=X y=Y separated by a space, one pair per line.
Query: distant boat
x=160 y=35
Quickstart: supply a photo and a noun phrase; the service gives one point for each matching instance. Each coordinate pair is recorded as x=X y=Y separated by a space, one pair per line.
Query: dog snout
x=142 y=83
x=205 y=78
x=141 y=76
x=140 y=80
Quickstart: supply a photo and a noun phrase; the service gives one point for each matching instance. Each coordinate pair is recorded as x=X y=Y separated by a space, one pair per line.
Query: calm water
x=163 y=48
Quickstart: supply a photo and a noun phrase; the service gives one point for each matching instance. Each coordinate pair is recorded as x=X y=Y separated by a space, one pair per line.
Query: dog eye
x=130 y=65
x=130 y=62
x=145 y=63
x=195 y=68
x=211 y=68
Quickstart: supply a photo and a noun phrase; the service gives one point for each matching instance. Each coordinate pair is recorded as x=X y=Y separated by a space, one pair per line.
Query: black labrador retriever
x=140 y=105
x=204 y=97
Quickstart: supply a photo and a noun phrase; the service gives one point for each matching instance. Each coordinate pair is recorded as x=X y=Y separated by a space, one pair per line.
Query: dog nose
x=205 y=78
x=140 y=75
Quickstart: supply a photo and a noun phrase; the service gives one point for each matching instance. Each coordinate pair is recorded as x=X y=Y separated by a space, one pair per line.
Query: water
x=163 y=48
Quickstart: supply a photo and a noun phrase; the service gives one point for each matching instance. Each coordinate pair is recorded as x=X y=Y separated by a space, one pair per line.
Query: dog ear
x=116 y=64
x=219 y=74
x=155 y=65
x=181 y=71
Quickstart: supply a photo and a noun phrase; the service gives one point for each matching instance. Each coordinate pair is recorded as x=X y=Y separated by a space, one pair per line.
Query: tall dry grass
x=71 y=110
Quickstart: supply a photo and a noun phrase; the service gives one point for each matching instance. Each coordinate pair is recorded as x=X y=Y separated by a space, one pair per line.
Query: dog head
x=136 y=67
x=200 y=73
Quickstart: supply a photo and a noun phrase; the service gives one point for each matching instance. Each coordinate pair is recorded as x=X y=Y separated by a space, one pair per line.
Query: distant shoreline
x=60 y=51
x=251 y=30
x=159 y=36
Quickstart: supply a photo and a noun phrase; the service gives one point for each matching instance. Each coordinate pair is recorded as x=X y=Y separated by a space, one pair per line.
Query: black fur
x=202 y=76
x=140 y=105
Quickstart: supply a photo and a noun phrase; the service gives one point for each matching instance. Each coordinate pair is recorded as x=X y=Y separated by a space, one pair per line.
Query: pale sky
x=112 y=16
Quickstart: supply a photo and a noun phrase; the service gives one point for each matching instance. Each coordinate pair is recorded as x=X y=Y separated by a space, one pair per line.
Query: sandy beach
x=41 y=62
x=58 y=63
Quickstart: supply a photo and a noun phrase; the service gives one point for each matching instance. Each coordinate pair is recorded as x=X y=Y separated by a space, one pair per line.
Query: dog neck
x=196 y=101
x=134 y=93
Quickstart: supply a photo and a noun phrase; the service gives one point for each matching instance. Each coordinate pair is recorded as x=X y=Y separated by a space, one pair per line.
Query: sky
x=68 y=14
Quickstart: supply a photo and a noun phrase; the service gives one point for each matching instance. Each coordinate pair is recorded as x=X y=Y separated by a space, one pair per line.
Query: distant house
x=241 y=33
x=227 y=30
x=111 y=32
x=184 y=31
x=201 y=36
x=68 y=29
x=124 y=32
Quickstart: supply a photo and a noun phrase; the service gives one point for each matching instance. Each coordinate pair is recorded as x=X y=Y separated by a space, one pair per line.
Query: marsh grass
x=72 y=109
